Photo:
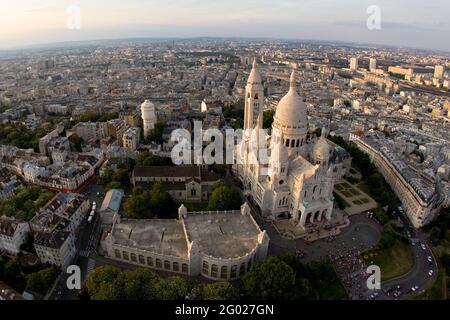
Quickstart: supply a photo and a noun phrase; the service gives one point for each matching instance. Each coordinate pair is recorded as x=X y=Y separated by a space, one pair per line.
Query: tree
x=172 y=288
x=445 y=259
x=25 y=202
x=137 y=206
x=215 y=291
x=271 y=279
x=140 y=285
x=121 y=176
x=12 y=272
x=106 y=283
x=113 y=185
x=146 y=158
x=42 y=280
x=224 y=197
x=435 y=235
x=388 y=237
x=161 y=202
x=156 y=134
x=268 y=118
x=146 y=204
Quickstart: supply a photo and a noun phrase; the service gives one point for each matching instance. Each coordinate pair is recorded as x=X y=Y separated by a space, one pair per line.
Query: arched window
x=193 y=192
x=256 y=96
x=176 y=266
x=241 y=269
x=133 y=257
x=287 y=142
x=314 y=189
x=117 y=253
x=141 y=259
x=292 y=143
x=158 y=263
x=214 y=270
x=205 y=268
x=224 y=272
x=184 y=268
x=125 y=255
x=233 y=272
x=298 y=143
x=150 y=261
x=167 y=264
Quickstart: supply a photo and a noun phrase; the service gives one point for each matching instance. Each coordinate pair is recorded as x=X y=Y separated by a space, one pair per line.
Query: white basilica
x=296 y=182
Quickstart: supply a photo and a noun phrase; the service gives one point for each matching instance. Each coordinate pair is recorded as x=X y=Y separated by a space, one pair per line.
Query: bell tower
x=254 y=98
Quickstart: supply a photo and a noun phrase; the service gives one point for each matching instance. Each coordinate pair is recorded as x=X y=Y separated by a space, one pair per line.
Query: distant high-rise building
x=372 y=64
x=354 y=64
x=148 y=116
x=439 y=72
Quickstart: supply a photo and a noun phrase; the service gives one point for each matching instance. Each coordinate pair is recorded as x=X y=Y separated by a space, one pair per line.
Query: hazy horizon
x=405 y=23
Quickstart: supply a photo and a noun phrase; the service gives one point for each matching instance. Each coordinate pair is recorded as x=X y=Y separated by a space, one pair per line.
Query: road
x=346 y=249
x=88 y=237
x=418 y=276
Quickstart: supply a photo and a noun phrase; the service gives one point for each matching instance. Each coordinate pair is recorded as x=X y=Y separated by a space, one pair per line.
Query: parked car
x=423 y=246
x=430 y=259
x=430 y=273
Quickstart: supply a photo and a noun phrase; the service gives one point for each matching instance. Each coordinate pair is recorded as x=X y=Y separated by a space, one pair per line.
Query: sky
x=411 y=23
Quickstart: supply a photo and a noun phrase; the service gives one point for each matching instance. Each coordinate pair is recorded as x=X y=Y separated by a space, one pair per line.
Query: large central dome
x=291 y=110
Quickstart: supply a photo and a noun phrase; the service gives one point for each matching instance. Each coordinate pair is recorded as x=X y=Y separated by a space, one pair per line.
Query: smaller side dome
x=321 y=150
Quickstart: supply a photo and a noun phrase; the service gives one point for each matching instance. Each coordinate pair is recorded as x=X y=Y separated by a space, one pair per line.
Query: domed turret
x=321 y=150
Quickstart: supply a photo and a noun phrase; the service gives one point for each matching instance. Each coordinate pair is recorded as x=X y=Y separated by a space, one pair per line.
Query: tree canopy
x=109 y=283
x=146 y=204
x=224 y=197
x=20 y=136
x=215 y=291
x=146 y=158
x=25 y=202
x=156 y=134
x=41 y=281
x=268 y=118
x=271 y=279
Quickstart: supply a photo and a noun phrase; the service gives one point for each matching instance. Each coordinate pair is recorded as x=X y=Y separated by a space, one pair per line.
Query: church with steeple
x=290 y=174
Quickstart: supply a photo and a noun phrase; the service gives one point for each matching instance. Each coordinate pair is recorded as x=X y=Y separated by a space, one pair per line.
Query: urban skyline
x=403 y=23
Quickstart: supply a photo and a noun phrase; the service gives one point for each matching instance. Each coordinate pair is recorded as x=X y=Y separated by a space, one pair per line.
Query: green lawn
x=393 y=262
x=364 y=188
